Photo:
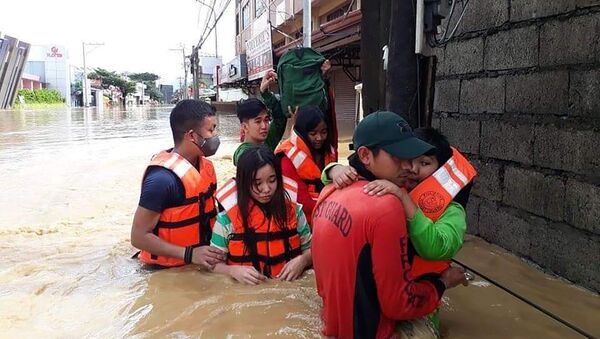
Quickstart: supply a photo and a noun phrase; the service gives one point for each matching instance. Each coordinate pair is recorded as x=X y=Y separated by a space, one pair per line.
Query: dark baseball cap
x=390 y=132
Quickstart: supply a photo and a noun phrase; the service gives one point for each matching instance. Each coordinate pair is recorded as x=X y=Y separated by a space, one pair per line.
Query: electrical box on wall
x=435 y=12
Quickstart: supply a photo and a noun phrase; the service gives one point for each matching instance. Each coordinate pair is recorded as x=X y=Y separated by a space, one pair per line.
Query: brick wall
x=518 y=90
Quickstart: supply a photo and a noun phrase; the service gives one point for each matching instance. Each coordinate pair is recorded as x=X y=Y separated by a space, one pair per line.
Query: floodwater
x=70 y=181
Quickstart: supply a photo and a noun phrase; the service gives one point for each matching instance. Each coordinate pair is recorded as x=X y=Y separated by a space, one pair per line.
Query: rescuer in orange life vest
x=172 y=225
x=263 y=229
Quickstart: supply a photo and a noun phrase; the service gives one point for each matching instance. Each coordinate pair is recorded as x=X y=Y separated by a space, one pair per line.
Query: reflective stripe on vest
x=433 y=196
x=299 y=154
x=190 y=223
x=264 y=245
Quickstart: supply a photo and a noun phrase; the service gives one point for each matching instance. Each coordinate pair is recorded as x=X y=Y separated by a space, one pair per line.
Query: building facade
x=51 y=64
x=266 y=29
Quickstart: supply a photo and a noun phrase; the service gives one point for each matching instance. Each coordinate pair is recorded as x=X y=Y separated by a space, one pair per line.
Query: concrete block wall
x=518 y=90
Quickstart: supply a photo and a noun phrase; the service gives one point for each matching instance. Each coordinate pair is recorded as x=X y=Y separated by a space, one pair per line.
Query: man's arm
x=279 y=122
x=439 y=240
x=142 y=235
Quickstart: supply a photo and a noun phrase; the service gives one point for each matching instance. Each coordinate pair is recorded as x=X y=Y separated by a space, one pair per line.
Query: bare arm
x=142 y=237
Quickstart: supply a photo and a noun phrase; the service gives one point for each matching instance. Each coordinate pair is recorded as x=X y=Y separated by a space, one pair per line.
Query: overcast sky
x=137 y=34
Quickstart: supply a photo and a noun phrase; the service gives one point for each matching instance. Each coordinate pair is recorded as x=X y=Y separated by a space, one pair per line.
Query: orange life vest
x=191 y=223
x=265 y=245
x=299 y=154
x=433 y=196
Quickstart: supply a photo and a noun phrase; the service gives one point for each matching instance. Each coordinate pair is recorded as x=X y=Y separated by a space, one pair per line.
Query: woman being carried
x=262 y=230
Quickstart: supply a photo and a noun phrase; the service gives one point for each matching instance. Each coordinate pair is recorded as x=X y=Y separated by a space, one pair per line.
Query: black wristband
x=187 y=257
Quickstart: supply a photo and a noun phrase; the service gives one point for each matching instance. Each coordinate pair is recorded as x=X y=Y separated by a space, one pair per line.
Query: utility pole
x=85 y=79
x=182 y=49
x=194 y=70
x=402 y=92
x=307 y=23
x=214 y=15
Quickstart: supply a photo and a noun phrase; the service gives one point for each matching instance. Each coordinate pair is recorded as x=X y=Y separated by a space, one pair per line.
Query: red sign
x=54 y=53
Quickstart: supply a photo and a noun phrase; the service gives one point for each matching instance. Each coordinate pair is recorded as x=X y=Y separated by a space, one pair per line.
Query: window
x=245 y=15
x=237 y=24
x=259 y=7
x=338 y=13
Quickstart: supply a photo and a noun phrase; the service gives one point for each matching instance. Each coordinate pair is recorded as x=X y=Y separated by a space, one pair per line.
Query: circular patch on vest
x=431 y=202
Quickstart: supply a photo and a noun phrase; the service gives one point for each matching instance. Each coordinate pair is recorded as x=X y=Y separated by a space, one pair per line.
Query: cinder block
x=534 y=192
x=464 y=134
x=500 y=227
x=531 y=9
x=473 y=214
x=464 y=56
x=565 y=149
x=515 y=48
x=446 y=95
x=488 y=183
x=567 y=252
x=582 y=208
x=573 y=41
x=538 y=93
x=484 y=95
x=583 y=93
x=507 y=141
x=480 y=15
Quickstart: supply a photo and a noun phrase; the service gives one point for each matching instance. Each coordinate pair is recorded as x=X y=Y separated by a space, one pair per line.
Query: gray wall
x=518 y=90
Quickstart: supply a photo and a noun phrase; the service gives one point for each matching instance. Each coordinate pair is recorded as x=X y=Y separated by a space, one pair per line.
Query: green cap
x=390 y=132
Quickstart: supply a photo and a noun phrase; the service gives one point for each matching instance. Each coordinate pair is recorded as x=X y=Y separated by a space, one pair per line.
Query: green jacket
x=276 y=129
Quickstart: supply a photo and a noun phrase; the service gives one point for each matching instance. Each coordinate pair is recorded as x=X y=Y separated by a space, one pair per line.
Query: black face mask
x=209 y=146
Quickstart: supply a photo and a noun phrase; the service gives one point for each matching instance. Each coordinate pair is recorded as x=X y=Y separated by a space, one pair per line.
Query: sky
x=137 y=34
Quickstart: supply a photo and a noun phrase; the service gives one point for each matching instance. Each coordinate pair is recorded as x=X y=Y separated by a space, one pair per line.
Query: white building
x=51 y=64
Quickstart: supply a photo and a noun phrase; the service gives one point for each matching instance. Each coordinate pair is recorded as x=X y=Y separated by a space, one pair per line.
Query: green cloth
x=439 y=240
x=276 y=129
x=324 y=177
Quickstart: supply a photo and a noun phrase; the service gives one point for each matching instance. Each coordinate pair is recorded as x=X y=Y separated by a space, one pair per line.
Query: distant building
x=167 y=92
x=209 y=69
x=51 y=64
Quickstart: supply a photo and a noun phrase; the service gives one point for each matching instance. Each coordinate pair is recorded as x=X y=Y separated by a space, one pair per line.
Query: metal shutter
x=345 y=102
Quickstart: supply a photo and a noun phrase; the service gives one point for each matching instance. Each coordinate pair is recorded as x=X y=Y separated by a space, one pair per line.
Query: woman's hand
x=343 y=176
x=246 y=274
x=293 y=269
x=382 y=187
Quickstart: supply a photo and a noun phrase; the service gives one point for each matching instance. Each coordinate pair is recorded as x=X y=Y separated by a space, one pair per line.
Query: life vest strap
x=270 y=261
x=280 y=235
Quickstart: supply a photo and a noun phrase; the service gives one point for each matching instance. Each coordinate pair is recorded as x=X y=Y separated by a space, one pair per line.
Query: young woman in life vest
x=305 y=154
x=262 y=230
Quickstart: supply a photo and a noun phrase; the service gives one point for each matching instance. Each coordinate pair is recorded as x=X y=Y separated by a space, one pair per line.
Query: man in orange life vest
x=172 y=225
x=361 y=253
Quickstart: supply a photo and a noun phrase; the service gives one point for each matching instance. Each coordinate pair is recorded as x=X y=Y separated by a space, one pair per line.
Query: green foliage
x=112 y=78
x=41 y=96
x=143 y=77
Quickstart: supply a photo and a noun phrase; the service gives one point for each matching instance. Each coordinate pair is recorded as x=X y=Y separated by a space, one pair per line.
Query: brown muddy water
x=70 y=181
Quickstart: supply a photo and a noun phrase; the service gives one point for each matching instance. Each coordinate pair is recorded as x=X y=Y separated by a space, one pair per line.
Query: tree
x=112 y=78
x=148 y=79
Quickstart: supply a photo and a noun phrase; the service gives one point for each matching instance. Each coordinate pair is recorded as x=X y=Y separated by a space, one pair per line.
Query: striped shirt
x=223 y=228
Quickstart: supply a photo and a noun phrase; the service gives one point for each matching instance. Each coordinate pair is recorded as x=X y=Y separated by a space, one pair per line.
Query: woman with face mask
x=262 y=230
x=305 y=154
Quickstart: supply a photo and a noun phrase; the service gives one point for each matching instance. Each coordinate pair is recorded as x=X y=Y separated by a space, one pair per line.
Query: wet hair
x=249 y=109
x=307 y=119
x=442 y=153
x=187 y=115
x=253 y=159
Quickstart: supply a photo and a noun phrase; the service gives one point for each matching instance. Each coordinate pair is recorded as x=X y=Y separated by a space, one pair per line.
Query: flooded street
x=70 y=183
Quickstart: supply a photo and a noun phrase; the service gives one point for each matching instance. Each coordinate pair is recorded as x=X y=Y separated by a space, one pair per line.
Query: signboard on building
x=259 y=54
x=54 y=52
x=234 y=70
